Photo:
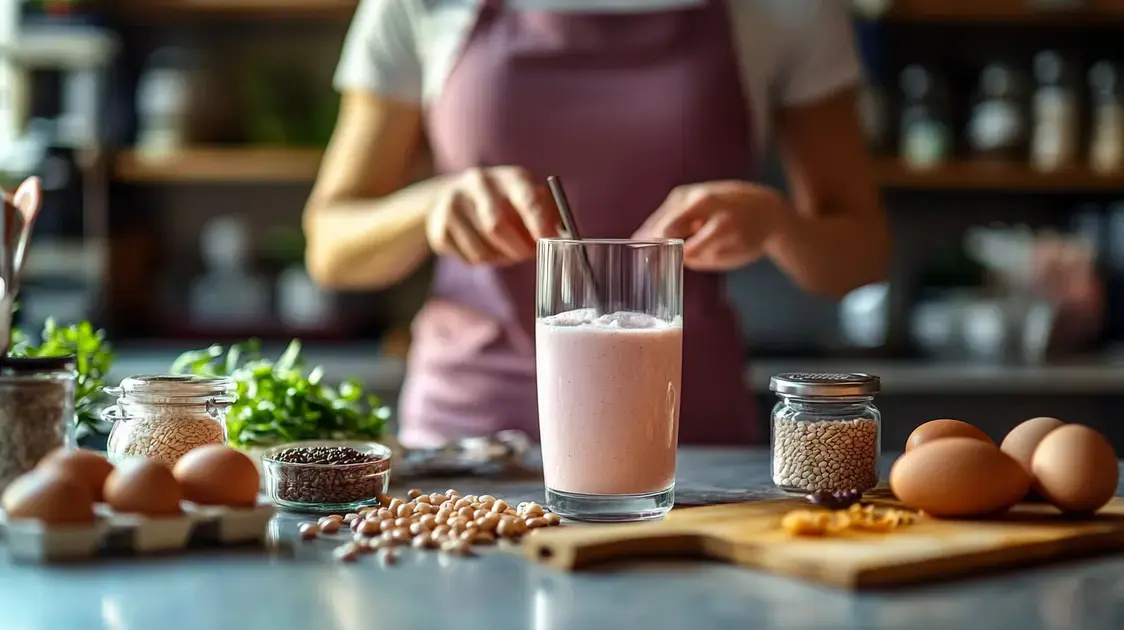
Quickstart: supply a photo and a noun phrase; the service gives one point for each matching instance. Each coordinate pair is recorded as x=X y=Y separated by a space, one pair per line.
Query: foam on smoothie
x=619 y=320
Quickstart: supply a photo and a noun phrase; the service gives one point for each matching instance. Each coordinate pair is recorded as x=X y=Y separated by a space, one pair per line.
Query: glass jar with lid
x=36 y=411
x=826 y=432
x=162 y=417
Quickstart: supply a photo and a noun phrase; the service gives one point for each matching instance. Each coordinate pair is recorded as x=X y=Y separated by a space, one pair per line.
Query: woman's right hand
x=492 y=216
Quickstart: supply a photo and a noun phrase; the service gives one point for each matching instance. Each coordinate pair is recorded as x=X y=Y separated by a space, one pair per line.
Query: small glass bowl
x=336 y=488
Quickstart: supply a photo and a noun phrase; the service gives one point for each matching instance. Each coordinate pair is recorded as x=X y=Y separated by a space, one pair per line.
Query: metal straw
x=571 y=227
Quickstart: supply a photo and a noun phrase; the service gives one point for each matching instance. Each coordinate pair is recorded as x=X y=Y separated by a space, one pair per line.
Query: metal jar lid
x=37 y=365
x=818 y=385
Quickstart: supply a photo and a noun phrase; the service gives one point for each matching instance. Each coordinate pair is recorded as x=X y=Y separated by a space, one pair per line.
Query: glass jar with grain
x=36 y=411
x=825 y=432
x=162 y=417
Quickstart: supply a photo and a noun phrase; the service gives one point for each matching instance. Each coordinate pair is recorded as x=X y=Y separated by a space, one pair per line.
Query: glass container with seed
x=162 y=417
x=36 y=411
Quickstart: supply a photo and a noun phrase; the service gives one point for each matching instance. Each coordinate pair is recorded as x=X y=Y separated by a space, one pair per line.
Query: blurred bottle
x=228 y=293
x=1054 y=141
x=925 y=131
x=164 y=102
x=1106 y=146
x=998 y=126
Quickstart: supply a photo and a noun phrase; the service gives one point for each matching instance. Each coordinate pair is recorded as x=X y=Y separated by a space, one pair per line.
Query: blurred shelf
x=1032 y=11
x=995 y=176
x=215 y=164
x=163 y=9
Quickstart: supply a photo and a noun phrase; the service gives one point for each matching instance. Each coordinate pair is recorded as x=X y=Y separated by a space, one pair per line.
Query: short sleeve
x=821 y=57
x=380 y=53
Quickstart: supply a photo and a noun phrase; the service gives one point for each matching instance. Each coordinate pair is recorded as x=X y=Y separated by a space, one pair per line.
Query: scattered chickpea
x=413 y=493
x=308 y=531
x=499 y=506
x=479 y=513
x=347 y=552
x=369 y=528
x=428 y=521
x=425 y=498
x=329 y=525
x=455 y=547
x=423 y=541
x=450 y=493
x=486 y=498
x=472 y=498
x=417 y=529
x=402 y=522
x=466 y=512
x=383 y=499
x=437 y=499
x=552 y=518
x=537 y=522
x=485 y=538
x=388 y=557
x=423 y=508
x=404 y=510
x=384 y=513
x=394 y=503
x=350 y=517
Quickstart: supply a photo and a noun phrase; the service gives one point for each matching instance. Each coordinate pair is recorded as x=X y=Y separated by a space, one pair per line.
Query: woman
x=653 y=113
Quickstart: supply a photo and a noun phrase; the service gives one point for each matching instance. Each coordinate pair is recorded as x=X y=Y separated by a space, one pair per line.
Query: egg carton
x=116 y=534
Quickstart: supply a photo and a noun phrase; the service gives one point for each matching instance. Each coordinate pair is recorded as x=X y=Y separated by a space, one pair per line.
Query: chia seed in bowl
x=326 y=476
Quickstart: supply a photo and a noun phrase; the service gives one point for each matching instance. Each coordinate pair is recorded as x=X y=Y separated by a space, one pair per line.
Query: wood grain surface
x=749 y=534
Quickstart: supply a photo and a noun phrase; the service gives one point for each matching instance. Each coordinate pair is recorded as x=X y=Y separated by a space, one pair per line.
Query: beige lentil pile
x=447 y=521
x=165 y=435
x=830 y=455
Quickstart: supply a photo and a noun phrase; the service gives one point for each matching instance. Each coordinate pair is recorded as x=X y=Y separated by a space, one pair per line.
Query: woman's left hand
x=726 y=224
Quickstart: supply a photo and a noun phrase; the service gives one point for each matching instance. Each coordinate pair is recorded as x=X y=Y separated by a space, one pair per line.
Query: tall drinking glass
x=609 y=353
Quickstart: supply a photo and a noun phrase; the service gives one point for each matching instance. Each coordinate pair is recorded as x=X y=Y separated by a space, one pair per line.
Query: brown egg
x=143 y=486
x=49 y=495
x=938 y=429
x=1075 y=469
x=84 y=465
x=1023 y=439
x=217 y=474
x=958 y=476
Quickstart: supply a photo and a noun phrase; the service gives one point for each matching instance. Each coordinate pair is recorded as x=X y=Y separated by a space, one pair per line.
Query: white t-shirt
x=791 y=52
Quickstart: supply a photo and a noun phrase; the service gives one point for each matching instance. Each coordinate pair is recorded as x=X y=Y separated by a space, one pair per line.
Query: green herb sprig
x=279 y=403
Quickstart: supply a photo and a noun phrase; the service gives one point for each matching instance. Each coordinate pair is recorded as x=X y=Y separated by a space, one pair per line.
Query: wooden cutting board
x=749 y=534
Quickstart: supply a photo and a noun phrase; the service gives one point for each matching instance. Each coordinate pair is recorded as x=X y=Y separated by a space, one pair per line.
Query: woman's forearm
x=830 y=255
x=370 y=243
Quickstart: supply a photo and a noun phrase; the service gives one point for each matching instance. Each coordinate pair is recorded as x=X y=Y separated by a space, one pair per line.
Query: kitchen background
x=177 y=141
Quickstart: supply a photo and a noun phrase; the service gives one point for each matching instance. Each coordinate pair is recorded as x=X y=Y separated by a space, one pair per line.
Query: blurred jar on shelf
x=998 y=126
x=1106 y=142
x=925 y=134
x=1055 y=109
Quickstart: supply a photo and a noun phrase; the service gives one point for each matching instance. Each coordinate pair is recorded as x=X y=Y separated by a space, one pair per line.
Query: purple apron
x=623 y=107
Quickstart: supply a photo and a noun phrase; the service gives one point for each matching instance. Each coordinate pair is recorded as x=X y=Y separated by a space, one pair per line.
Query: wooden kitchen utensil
x=749 y=534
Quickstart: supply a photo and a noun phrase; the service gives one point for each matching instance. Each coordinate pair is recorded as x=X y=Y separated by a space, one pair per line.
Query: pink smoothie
x=608 y=401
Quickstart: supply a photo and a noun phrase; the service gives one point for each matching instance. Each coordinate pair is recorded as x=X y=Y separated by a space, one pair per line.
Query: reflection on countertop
x=1093 y=374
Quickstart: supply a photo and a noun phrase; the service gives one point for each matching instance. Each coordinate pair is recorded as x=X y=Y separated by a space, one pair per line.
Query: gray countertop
x=1103 y=374
x=296 y=585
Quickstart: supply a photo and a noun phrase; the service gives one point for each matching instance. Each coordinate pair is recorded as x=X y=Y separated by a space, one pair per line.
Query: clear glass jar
x=36 y=411
x=162 y=417
x=826 y=432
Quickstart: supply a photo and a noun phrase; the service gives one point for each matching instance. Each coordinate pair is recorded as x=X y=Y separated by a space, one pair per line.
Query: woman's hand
x=726 y=224
x=492 y=216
